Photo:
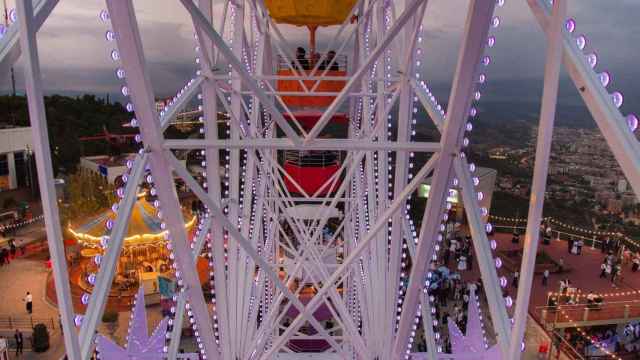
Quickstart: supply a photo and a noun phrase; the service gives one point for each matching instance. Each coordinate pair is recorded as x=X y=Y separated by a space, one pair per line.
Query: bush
x=109 y=317
x=40 y=338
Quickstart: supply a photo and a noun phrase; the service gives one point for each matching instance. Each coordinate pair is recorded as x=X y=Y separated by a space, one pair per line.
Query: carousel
x=144 y=260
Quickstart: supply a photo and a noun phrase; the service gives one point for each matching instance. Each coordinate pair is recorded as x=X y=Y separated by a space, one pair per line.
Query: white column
x=540 y=172
x=41 y=149
x=11 y=164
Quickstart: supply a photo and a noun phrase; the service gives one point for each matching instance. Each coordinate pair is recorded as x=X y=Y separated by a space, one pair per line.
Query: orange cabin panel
x=310 y=101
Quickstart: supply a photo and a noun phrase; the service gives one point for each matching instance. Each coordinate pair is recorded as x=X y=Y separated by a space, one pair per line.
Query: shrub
x=109 y=317
x=40 y=338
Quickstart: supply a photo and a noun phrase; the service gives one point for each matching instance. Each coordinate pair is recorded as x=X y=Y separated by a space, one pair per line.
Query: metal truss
x=259 y=251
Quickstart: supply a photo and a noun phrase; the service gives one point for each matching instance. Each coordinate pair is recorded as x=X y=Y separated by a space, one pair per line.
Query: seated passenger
x=301 y=56
x=326 y=64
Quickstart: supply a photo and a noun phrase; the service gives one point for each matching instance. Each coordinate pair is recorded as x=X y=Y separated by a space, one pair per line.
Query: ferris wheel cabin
x=310 y=84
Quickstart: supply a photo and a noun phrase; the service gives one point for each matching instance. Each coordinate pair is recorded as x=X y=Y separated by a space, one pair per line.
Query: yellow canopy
x=310 y=12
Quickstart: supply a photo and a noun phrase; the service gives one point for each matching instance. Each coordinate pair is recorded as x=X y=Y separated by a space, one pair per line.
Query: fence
x=14 y=322
x=605 y=313
x=313 y=158
x=339 y=64
x=593 y=242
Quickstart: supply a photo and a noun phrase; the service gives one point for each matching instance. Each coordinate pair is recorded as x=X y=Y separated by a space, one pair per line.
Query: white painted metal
x=475 y=34
x=125 y=27
x=318 y=144
x=105 y=275
x=540 y=173
x=10 y=42
x=37 y=113
x=623 y=143
x=247 y=281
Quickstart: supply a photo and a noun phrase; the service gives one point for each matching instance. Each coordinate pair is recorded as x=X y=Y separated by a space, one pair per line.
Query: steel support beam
x=125 y=26
x=10 y=42
x=176 y=333
x=623 y=143
x=104 y=278
x=41 y=148
x=481 y=245
x=354 y=81
x=318 y=144
x=475 y=35
x=200 y=22
x=540 y=172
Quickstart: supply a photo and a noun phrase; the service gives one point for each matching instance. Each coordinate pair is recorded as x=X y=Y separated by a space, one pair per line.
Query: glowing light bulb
x=581 y=41
x=617 y=99
x=632 y=122
x=570 y=25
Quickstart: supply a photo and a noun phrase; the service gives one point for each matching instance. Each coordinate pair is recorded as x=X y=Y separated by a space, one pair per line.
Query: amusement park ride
x=278 y=157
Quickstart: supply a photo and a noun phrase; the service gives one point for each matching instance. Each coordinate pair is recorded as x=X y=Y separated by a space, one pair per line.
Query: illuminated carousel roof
x=144 y=227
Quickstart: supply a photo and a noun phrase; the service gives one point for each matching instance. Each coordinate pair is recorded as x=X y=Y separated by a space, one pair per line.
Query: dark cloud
x=75 y=58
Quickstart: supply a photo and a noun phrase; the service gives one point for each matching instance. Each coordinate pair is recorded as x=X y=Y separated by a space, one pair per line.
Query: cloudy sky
x=75 y=58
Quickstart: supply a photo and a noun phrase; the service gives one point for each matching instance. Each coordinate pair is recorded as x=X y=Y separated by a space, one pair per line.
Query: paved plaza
x=29 y=273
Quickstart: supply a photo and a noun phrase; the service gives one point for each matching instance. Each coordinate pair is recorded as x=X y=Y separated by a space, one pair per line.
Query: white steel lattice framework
x=374 y=317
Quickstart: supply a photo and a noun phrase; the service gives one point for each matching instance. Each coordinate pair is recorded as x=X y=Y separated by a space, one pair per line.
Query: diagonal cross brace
x=10 y=44
x=38 y=117
x=201 y=22
x=125 y=26
x=475 y=34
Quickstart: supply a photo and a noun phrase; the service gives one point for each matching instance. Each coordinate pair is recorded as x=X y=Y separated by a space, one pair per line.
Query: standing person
x=516 y=237
x=545 y=277
x=604 y=245
x=28 y=299
x=462 y=263
x=580 y=245
x=447 y=255
x=560 y=265
x=516 y=277
x=19 y=342
x=574 y=248
x=603 y=269
x=547 y=235
x=617 y=270
x=608 y=270
x=636 y=263
x=570 y=245
x=12 y=248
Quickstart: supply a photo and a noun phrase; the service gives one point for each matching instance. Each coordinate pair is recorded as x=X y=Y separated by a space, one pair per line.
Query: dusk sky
x=74 y=53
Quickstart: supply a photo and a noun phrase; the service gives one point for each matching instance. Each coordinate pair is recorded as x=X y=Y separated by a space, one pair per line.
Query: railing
x=339 y=64
x=22 y=323
x=588 y=240
x=312 y=158
x=603 y=313
x=566 y=347
x=556 y=234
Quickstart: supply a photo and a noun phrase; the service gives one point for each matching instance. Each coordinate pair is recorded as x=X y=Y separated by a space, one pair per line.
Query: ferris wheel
x=312 y=245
